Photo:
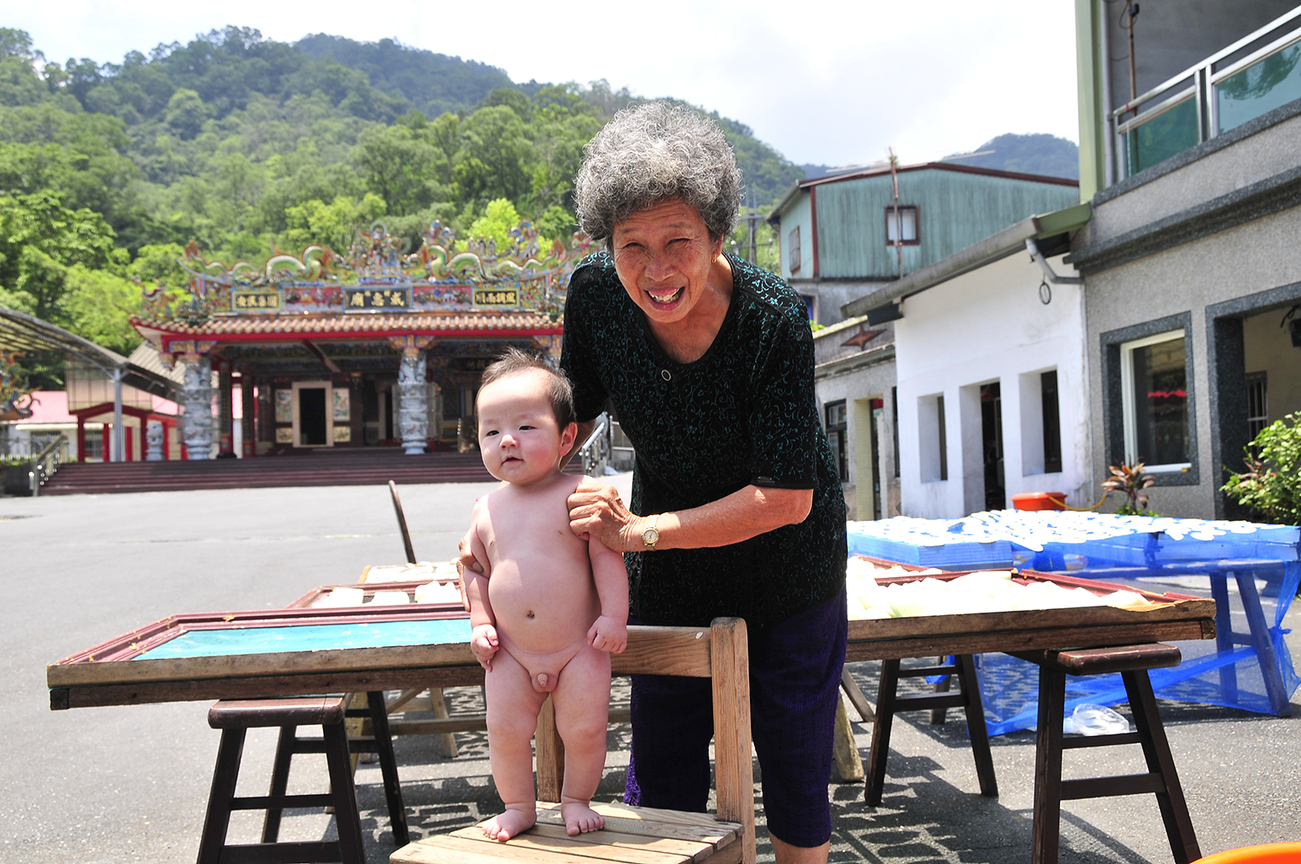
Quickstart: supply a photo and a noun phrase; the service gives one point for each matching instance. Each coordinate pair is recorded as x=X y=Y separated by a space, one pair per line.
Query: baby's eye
x=488 y=433
x=524 y=426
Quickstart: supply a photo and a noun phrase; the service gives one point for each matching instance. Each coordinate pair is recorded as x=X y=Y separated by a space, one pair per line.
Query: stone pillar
x=413 y=395
x=225 y=412
x=154 y=440
x=196 y=396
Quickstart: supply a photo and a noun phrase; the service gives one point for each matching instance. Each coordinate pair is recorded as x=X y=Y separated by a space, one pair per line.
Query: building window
x=1052 y=422
x=1257 y=405
x=837 y=427
x=793 y=247
x=901 y=223
x=1154 y=399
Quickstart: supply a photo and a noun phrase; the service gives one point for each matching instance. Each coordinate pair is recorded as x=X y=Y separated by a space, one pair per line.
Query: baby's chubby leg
x=513 y=707
x=582 y=699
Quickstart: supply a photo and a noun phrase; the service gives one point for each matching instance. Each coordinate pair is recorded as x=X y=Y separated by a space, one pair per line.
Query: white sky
x=827 y=82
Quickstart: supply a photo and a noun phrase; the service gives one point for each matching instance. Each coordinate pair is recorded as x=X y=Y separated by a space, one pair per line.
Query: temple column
x=413 y=393
x=225 y=412
x=196 y=398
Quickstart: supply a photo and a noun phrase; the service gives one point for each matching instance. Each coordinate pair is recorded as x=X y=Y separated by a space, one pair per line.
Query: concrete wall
x=985 y=326
x=1196 y=246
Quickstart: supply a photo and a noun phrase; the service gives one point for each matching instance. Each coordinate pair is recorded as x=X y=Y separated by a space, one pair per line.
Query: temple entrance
x=311 y=423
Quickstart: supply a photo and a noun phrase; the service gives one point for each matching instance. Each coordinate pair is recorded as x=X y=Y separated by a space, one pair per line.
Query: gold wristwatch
x=651 y=535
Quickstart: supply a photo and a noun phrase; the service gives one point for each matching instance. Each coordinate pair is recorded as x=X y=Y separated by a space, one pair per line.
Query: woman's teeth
x=666 y=298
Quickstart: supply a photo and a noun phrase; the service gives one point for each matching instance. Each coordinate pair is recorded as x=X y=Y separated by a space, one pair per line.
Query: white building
x=990 y=364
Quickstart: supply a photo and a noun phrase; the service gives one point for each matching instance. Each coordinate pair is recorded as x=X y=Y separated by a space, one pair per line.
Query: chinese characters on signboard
x=496 y=297
x=370 y=299
x=248 y=301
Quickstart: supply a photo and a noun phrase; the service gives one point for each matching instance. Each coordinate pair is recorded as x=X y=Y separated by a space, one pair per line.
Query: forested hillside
x=246 y=146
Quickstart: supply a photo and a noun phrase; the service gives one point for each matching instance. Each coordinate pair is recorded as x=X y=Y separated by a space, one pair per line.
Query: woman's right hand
x=596 y=510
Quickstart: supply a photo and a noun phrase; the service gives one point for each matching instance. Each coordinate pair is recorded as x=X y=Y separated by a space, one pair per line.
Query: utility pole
x=898 y=217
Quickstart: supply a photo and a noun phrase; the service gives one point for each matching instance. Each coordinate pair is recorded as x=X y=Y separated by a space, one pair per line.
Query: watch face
x=650 y=536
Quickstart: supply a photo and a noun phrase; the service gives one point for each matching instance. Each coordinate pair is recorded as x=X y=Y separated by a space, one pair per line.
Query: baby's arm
x=483 y=641
x=610 y=631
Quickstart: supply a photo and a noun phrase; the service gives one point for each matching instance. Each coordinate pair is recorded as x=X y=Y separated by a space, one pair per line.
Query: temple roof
x=470 y=324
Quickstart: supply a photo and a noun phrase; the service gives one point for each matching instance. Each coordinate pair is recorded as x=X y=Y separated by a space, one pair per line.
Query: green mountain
x=1046 y=155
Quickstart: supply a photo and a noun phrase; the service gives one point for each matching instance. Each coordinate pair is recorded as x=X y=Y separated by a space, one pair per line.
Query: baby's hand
x=484 y=644
x=608 y=634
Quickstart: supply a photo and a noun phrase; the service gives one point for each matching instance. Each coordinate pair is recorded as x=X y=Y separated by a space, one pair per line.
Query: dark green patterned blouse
x=744 y=413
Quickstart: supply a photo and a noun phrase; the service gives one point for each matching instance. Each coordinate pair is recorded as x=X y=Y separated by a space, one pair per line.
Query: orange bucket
x=1039 y=501
x=1270 y=853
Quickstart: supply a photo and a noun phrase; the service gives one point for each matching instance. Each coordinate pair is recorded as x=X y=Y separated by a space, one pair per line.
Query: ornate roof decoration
x=376 y=275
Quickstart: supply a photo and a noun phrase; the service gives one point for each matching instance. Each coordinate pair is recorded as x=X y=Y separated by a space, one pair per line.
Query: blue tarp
x=1184 y=556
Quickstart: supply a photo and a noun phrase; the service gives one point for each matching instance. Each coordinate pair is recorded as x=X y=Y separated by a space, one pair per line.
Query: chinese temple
x=374 y=348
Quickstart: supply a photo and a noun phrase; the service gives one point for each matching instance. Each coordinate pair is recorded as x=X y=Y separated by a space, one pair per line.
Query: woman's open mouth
x=668 y=298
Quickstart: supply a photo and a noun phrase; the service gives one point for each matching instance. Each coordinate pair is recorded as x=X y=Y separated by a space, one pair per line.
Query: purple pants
x=795 y=668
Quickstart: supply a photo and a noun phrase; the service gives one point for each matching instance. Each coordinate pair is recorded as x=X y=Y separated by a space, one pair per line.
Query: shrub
x=1271 y=485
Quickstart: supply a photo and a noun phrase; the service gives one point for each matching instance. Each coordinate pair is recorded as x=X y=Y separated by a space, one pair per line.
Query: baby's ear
x=567 y=436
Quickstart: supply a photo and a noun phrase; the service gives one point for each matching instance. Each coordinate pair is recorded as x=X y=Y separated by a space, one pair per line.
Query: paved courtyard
x=131 y=783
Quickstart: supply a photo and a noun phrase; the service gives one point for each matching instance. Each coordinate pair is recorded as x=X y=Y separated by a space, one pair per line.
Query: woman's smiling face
x=663 y=256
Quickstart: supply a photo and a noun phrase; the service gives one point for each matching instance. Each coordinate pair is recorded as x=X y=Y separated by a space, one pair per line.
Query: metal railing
x=606 y=448
x=1256 y=74
x=47 y=462
x=595 y=452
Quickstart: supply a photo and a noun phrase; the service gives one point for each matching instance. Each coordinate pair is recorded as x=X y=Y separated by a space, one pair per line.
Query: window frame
x=917 y=224
x=1129 y=398
x=1113 y=418
x=794 y=257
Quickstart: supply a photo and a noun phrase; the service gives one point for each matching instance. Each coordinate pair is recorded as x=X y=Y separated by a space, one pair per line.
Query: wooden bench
x=235 y=717
x=719 y=653
x=1161 y=779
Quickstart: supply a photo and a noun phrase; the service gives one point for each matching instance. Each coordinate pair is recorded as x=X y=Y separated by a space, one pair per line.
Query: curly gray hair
x=656 y=152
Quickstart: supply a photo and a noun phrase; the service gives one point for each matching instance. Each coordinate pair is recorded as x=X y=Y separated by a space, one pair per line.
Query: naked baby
x=548 y=608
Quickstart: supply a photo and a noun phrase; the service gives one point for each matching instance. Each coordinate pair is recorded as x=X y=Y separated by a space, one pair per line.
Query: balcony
x=1251 y=77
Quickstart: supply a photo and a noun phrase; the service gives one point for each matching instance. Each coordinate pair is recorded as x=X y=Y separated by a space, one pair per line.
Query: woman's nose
x=660 y=266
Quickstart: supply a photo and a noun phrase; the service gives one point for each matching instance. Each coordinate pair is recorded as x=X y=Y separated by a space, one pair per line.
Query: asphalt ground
x=126 y=784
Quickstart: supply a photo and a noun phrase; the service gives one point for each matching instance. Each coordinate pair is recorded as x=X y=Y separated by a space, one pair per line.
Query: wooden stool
x=639 y=835
x=888 y=702
x=1132 y=662
x=234 y=719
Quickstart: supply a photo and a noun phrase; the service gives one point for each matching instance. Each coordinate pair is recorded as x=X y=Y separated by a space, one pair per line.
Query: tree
x=186 y=114
x=39 y=240
x=333 y=225
x=400 y=165
x=494 y=155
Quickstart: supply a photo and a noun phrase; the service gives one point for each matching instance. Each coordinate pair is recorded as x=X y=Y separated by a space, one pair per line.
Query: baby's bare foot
x=510 y=823
x=580 y=819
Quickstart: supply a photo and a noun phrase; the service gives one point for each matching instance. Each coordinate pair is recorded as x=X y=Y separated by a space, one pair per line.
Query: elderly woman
x=736 y=503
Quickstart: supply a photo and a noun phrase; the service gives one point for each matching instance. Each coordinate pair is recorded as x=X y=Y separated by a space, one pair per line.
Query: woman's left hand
x=596 y=509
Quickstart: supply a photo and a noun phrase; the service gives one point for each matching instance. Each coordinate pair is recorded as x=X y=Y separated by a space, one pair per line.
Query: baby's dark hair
x=559 y=391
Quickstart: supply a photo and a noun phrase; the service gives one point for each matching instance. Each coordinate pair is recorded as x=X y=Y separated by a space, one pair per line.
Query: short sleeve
x=576 y=357
x=784 y=421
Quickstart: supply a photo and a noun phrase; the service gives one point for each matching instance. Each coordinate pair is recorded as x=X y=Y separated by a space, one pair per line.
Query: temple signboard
x=374 y=299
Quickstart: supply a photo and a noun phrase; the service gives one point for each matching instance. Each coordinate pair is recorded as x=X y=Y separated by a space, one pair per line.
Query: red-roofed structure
x=369 y=349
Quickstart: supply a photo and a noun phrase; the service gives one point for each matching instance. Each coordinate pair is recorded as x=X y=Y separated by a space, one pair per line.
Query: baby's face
x=519 y=437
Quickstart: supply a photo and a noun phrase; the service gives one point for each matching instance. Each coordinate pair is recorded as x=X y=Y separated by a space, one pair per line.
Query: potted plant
x=1133 y=482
